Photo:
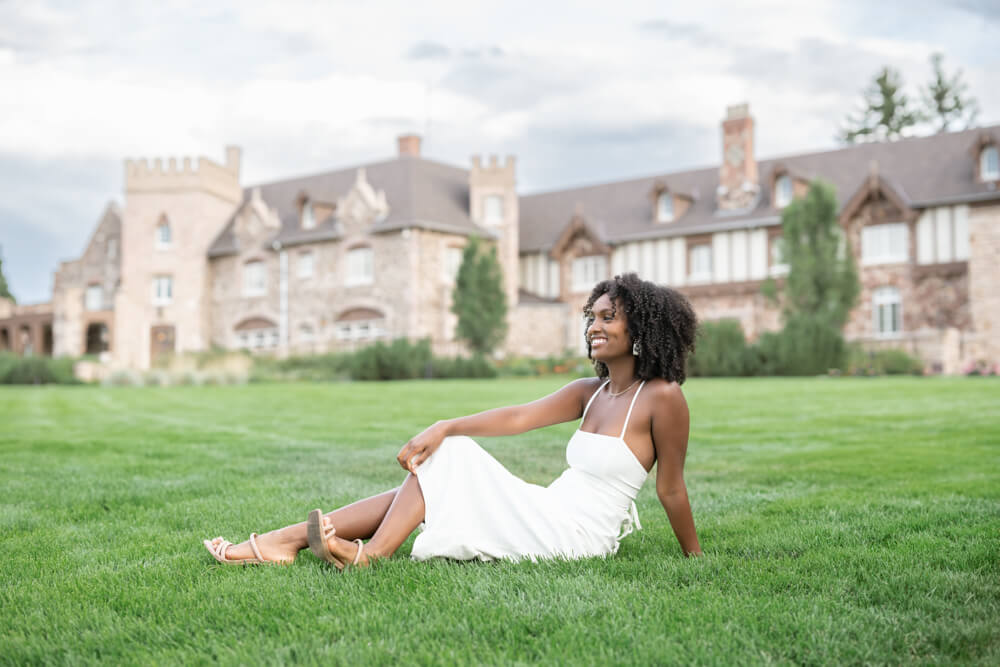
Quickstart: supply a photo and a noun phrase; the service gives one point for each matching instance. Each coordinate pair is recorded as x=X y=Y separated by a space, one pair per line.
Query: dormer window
x=783 y=191
x=163 y=235
x=989 y=163
x=308 y=217
x=664 y=207
x=493 y=209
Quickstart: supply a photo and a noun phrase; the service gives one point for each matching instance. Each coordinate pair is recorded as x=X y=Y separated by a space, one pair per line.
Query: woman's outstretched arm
x=669 y=427
x=561 y=406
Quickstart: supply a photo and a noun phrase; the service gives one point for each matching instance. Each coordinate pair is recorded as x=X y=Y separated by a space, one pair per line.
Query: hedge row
x=803 y=347
x=35 y=370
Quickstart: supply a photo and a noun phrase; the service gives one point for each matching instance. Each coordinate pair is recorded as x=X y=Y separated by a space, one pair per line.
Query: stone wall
x=984 y=281
x=538 y=330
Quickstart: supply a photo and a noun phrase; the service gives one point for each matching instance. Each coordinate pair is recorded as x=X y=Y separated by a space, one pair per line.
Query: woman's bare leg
x=402 y=518
x=359 y=519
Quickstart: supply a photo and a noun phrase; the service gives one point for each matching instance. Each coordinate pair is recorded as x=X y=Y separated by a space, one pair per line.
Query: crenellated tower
x=173 y=211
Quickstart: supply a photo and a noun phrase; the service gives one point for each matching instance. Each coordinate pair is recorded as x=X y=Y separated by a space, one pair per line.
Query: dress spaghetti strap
x=592 y=399
x=631 y=405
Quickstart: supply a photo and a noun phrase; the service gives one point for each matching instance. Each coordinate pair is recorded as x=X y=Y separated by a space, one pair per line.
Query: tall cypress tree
x=478 y=298
x=821 y=286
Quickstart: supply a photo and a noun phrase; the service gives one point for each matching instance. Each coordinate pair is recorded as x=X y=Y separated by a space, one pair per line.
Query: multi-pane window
x=701 y=264
x=779 y=267
x=94 y=298
x=254 y=278
x=887 y=312
x=664 y=207
x=306 y=264
x=493 y=209
x=163 y=290
x=308 y=216
x=783 y=191
x=306 y=333
x=452 y=262
x=360 y=330
x=989 y=164
x=587 y=271
x=256 y=339
x=885 y=244
x=163 y=235
x=360 y=266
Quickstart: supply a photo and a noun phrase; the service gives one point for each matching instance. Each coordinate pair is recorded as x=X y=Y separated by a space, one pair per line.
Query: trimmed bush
x=36 y=370
x=892 y=361
x=722 y=351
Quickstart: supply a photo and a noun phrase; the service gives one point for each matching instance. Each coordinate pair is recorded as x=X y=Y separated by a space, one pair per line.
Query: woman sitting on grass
x=637 y=334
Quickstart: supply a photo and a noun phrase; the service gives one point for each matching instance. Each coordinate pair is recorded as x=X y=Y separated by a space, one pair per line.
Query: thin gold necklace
x=613 y=394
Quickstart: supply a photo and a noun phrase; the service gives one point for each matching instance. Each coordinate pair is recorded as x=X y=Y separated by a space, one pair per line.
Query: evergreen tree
x=886 y=111
x=945 y=101
x=4 y=290
x=820 y=289
x=478 y=298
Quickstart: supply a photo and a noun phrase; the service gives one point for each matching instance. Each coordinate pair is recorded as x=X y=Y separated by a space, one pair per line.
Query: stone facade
x=337 y=260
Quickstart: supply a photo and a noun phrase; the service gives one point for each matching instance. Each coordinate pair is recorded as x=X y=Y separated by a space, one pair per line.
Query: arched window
x=360 y=324
x=664 y=207
x=360 y=266
x=256 y=332
x=254 y=278
x=164 y=237
x=887 y=312
x=989 y=164
x=783 y=191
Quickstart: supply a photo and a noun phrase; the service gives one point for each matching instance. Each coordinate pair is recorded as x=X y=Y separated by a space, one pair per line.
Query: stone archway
x=97 y=338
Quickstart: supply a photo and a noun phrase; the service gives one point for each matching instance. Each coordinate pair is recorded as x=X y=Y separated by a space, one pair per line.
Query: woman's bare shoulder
x=667 y=396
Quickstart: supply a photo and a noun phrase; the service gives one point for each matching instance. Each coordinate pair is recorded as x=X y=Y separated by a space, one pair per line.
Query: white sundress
x=475 y=508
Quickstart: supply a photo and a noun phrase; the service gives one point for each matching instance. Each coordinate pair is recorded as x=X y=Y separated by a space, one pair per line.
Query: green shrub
x=805 y=346
x=36 y=370
x=476 y=366
x=892 y=361
x=722 y=351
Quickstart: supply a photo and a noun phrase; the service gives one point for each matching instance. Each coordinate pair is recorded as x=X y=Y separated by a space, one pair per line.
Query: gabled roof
x=421 y=193
x=927 y=170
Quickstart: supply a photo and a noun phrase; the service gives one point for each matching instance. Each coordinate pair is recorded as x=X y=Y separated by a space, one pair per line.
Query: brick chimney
x=739 y=183
x=409 y=144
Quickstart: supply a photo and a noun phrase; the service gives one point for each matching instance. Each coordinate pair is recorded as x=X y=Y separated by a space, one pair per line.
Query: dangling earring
x=635 y=349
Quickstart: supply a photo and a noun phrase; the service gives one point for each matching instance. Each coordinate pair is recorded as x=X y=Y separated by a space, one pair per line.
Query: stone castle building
x=194 y=259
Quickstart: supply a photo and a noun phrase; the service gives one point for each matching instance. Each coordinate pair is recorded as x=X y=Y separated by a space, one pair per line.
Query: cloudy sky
x=581 y=92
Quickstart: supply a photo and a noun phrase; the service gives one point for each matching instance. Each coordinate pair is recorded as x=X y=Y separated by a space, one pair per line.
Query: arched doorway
x=4 y=339
x=97 y=338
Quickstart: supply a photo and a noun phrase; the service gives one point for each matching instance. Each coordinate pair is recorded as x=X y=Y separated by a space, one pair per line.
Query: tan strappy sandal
x=318 y=541
x=218 y=552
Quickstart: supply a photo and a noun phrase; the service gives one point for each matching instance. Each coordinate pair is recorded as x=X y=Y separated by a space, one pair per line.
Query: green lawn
x=843 y=521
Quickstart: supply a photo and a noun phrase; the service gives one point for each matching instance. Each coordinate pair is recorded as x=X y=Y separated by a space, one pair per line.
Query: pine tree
x=478 y=298
x=945 y=101
x=4 y=290
x=886 y=111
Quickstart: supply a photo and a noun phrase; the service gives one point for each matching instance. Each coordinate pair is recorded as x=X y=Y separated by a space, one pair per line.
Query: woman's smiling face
x=607 y=330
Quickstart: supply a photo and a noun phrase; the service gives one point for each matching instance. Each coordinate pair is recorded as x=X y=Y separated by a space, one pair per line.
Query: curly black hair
x=659 y=318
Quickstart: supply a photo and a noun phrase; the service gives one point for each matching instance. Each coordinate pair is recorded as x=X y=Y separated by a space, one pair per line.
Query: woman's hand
x=419 y=448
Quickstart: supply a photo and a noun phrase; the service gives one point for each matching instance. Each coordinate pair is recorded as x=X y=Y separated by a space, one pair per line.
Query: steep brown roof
x=421 y=193
x=926 y=171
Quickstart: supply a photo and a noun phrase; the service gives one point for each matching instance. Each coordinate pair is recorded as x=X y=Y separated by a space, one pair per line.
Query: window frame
x=489 y=219
x=88 y=302
x=301 y=264
x=160 y=243
x=450 y=266
x=987 y=152
x=664 y=207
x=704 y=276
x=360 y=272
x=886 y=256
x=159 y=298
x=883 y=300
x=784 y=191
x=586 y=271
x=308 y=220
x=250 y=289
